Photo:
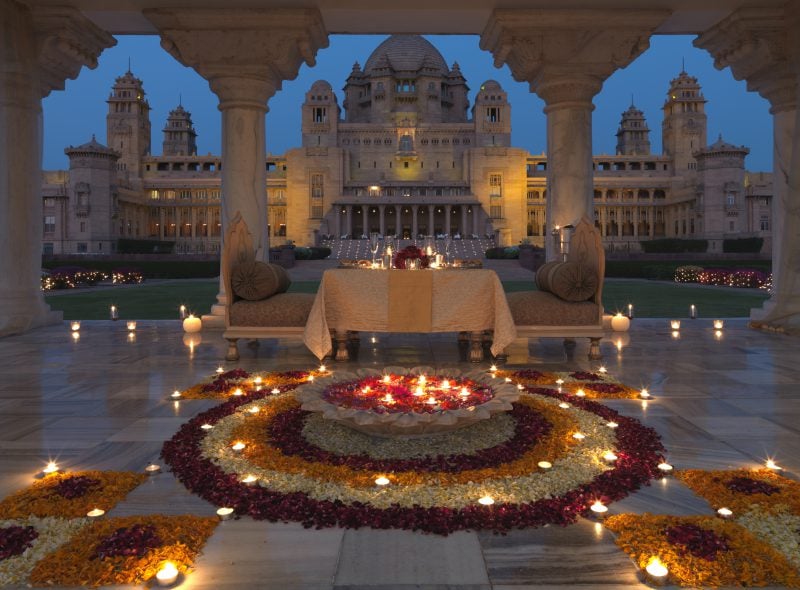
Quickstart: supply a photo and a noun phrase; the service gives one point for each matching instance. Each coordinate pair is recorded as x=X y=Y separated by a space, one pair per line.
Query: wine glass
x=448 y=243
x=374 y=244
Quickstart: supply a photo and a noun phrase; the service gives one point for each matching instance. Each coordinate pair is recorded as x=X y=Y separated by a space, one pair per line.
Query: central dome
x=406 y=53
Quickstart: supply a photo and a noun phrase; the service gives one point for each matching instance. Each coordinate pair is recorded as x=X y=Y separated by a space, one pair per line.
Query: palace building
x=405 y=154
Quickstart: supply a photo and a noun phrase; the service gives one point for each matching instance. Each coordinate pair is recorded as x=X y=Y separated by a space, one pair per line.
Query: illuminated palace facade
x=406 y=155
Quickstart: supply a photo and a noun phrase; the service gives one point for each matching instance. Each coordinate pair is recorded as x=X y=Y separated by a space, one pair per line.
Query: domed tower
x=720 y=170
x=633 y=135
x=455 y=101
x=320 y=116
x=492 y=115
x=128 y=123
x=683 y=129
x=357 y=96
x=180 y=138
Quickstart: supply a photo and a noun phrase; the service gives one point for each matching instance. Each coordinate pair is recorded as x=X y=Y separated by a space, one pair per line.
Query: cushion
x=279 y=311
x=571 y=281
x=254 y=280
x=538 y=308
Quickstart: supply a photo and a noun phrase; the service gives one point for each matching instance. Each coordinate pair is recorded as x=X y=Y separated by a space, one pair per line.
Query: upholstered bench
x=257 y=303
x=568 y=301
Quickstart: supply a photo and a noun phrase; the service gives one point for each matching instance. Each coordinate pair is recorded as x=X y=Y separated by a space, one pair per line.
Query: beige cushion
x=543 y=275
x=255 y=280
x=538 y=308
x=571 y=281
x=281 y=310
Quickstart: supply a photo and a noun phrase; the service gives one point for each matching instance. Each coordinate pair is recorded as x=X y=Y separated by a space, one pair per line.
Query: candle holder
x=114 y=313
x=630 y=311
x=167 y=575
x=131 y=326
x=693 y=311
x=224 y=513
x=75 y=326
x=182 y=313
x=718 y=324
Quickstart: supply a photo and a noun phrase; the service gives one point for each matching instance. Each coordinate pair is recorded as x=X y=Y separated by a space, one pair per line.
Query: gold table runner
x=410 y=301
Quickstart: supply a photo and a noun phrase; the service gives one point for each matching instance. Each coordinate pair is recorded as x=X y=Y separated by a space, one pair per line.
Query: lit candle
x=275 y=390
x=114 y=313
x=718 y=324
x=693 y=311
x=322 y=368
x=220 y=370
x=238 y=392
x=520 y=386
x=610 y=457
x=675 y=324
x=192 y=324
x=51 y=467
x=224 y=513
x=578 y=436
x=464 y=392
x=602 y=370
x=311 y=377
x=563 y=405
x=96 y=513
x=486 y=500
x=182 y=312
x=382 y=481
x=238 y=446
x=545 y=464
x=152 y=469
x=676 y=334
x=388 y=398
x=630 y=311
x=580 y=393
x=718 y=334
x=508 y=379
x=207 y=426
x=167 y=575
x=249 y=479
x=445 y=384
x=175 y=394
x=431 y=401
x=366 y=390
x=75 y=326
x=612 y=425
x=619 y=323
x=599 y=509
x=493 y=368
x=422 y=380
x=257 y=380
x=387 y=379
x=724 y=512
x=418 y=392
x=131 y=326
x=665 y=468
x=644 y=394
x=253 y=410
x=656 y=571
x=76 y=336
x=772 y=465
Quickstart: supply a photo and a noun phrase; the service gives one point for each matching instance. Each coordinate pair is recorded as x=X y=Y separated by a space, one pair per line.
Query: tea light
x=431 y=401
x=619 y=323
x=388 y=398
x=676 y=334
x=520 y=386
x=253 y=410
x=724 y=512
x=464 y=392
x=493 y=368
x=665 y=468
x=366 y=390
x=152 y=469
x=382 y=481
x=51 y=467
x=644 y=394
x=578 y=436
x=192 y=324
x=718 y=334
x=114 y=313
x=387 y=379
x=580 y=393
x=175 y=394
x=418 y=391
x=675 y=324
x=559 y=382
x=182 y=312
x=238 y=446
x=311 y=377
x=238 y=392
x=610 y=457
x=564 y=405
x=718 y=324
x=486 y=500
x=275 y=390
x=770 y=464
x=612 y=425
x=249 y=479
x=322 y=368
x=167 y=575
x=220 y=370
x=599 y=509
x=602 y=370
x=75 y=326
x=630 y=311
x=257 y=380
x=96 y=513
x=224 y=513
x=656 y=571
x=508 y=379
x=545 y=464
x=693 y=311
x=445 y=384
x=207 y=426
x=131 y=326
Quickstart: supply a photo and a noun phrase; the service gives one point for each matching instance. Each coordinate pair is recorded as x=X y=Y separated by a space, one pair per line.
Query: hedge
x=500 y=252
x=673 y=246
x=128 y=246
x=151 y=269
x=748 y=245
x=665 y=270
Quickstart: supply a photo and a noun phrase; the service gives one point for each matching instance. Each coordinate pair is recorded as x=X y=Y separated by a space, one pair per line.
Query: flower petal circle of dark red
x=75 y=487
x=747 y=485
x=127 y=541
x=639 y=449
x=696 y=540
x=15 y=540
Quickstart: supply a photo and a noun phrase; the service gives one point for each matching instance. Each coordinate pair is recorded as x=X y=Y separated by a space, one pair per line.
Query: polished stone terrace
x=100 y=402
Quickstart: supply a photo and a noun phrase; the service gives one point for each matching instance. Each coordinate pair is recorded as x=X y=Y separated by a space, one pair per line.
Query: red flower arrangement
x=407 y=393
x=128 y=541
x=411 y=253
x=15 y=540
x=584 y=376
x=696 y=540
x=75 y=487
x=748 y=485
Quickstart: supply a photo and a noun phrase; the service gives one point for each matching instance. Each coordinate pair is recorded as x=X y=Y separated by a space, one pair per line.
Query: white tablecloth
x=367 y=300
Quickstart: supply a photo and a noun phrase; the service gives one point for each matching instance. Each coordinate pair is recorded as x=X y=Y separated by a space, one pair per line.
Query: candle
x=602 y=370
x=665 y=468
x=718 y=324
x=772 y=465
x=422 y=380
x=167 y=575
x=578 y=436
x=418 y=392
x=508 y=379
x=675 y=324
x=51 y=467
x=610 y=457
x=619 y=323
x=322 y=368
x=464 y=392
x=431 y=401
x=175 y=394
x=75 y=326
x=599 y=509
x=545 y=464
x=580 y=393
x=220 y=370
x=76 y=336
x=388 y=398
x=493 y=368
x=630 y=311
x=257 y=380
x=131 y=326
x=96 y=513
x=445 y=384
x=724 y=512
x=114 y=313
x=563 y=405
x=311 y=377
x=249 y=479
x=192 y=324
x=644 y=394
x=207 y=426
x=182 y=312
x=253 y=410
x=238 y=446
x=612 y=425
x=718 y=334
x=656 y=571
x=152 y=469
x=387 y=379
x=676 y=335
x=238 y=392
x=486 y=500
x=693 y=311
x=224 y=513
x=382 y=481
x=275 y=390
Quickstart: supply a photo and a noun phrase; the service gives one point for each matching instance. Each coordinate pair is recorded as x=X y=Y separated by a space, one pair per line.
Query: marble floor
x=100 y=402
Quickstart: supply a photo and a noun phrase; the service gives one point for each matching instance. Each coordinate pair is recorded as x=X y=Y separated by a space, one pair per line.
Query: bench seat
x=538 y=308
x=281 y=311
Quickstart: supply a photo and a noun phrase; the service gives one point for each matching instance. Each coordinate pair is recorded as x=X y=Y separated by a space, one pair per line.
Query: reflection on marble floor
x=100 y=402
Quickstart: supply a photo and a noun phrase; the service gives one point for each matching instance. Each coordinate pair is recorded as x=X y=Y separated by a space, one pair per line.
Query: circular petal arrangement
x=261 y=456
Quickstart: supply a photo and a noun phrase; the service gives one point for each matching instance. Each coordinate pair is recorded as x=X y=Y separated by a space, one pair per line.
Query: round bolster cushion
x=570 y=281
x=257 y=280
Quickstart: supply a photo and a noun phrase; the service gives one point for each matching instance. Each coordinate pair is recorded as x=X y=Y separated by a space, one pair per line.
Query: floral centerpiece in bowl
x=411 y=253
x=407 y=402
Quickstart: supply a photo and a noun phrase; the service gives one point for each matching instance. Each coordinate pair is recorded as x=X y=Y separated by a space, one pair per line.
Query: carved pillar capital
x=756 y=43
x=244 y=54
x=566 y=55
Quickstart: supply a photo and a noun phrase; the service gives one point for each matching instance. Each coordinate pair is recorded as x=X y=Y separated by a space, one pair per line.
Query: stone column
x=431 y=210
x=245 y=55
x=398 y=222
x=761 y=46
x=349 y=210
x=448 y=211
x=382 y=213
x=463 y=228
x=475 y=221
x=565 y=55
x=414 y=224
x=40 y=49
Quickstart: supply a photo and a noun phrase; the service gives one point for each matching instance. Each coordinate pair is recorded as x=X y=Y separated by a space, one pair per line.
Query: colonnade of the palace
x=564 y=55
x=409 y=221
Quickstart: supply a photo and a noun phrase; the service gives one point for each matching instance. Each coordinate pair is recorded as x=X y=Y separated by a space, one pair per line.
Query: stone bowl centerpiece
x=407 y=402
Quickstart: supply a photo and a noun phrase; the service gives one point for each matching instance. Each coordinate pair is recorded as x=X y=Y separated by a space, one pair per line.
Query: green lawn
x=161 y=301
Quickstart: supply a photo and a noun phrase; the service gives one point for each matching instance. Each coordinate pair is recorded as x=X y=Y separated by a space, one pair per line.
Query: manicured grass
x=161 y=301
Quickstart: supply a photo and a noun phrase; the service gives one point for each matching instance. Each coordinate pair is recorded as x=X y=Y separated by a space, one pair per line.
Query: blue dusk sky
x=73 y=115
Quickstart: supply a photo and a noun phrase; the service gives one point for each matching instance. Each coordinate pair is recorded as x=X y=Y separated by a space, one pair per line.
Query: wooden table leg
x=341 y=346
x=476 y=347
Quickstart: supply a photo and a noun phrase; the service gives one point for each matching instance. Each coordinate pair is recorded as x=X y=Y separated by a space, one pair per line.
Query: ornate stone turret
x=320 y=116
x=492 y=115
x=455 y=100
x=128 y=123
x=179 y=134
x=633 y=135
x=684 y=124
